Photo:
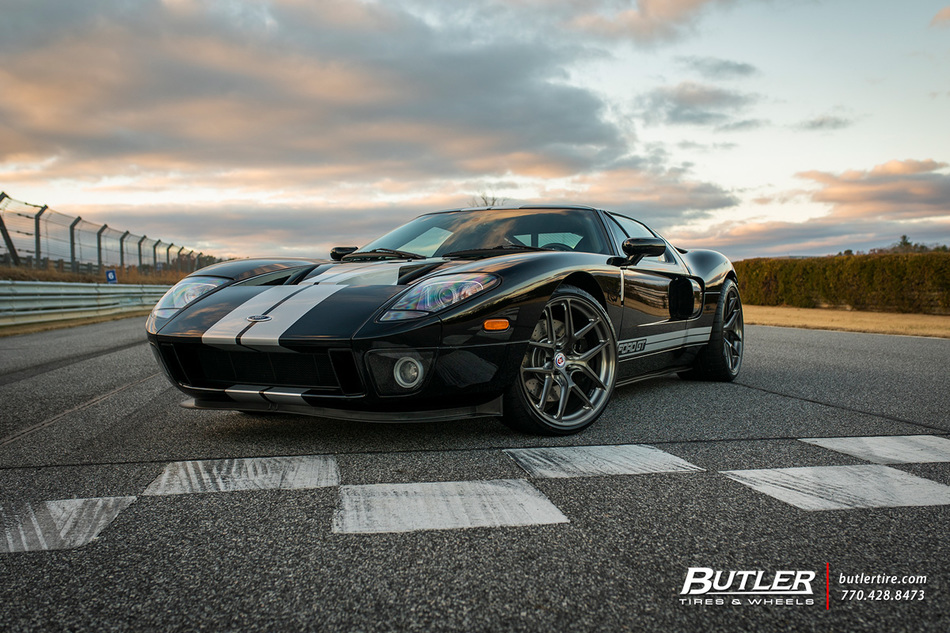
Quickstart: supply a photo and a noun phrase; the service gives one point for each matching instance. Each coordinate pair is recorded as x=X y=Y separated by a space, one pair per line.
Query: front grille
x=209 y=367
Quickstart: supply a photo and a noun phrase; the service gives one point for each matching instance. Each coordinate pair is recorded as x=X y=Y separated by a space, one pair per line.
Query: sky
x=286 y=127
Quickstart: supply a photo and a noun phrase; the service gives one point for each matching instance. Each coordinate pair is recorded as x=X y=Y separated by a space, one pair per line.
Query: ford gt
x=533 y=313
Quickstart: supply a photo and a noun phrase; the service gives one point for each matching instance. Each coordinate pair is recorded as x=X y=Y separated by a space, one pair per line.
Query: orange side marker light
x=496 y=325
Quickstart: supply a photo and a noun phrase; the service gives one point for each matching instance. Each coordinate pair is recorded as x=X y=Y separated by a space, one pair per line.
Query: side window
x=546 y=239
x=616 y=233
x=632 y=228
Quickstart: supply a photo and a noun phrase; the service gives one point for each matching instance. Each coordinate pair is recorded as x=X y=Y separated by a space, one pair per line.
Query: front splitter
x=488 y=409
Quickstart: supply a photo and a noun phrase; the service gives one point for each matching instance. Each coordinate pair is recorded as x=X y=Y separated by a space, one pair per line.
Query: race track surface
x=829 y=455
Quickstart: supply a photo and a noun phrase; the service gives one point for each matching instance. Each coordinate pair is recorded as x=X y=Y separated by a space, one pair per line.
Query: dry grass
x=849 y=320
x=128 y=276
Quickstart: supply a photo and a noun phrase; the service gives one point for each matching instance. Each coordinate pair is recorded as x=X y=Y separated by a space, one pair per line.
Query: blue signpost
x=111 y=277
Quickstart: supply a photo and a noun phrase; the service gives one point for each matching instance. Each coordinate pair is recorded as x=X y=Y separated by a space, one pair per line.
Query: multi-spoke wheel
x=569 y=369
x=722 y=357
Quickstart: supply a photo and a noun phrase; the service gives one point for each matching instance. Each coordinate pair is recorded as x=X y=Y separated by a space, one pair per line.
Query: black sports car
x=532 y=313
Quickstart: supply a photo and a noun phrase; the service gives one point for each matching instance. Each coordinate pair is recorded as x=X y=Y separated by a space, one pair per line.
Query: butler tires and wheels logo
x=707 y=586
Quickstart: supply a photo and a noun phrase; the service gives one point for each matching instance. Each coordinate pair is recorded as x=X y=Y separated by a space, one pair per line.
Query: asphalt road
x=84 y=414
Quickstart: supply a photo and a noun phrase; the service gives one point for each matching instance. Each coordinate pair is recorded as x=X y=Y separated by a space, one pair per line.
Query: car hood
x=332 y=303
x=389 y=272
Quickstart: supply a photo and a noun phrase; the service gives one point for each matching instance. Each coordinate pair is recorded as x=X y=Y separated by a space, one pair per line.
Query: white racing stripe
x=265 y=336
x=665 y=341
x=900 y=449
x=224 y=333
x=259 y=473
x=698 y=335
x=844 y=487
x=62 y=524
x=381 y=508
x=593 y=461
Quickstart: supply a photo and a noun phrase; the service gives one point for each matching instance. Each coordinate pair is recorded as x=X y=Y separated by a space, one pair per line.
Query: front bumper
x=345 y=383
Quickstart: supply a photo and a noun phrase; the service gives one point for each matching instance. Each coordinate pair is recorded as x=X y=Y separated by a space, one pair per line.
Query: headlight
x=438 y=294
x=180 y=295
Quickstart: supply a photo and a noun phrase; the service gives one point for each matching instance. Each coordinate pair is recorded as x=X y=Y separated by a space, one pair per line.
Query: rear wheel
x=569 y=369
x=722 y=357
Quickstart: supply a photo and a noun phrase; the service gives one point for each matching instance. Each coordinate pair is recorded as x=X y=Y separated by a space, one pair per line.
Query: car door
x=650 y=338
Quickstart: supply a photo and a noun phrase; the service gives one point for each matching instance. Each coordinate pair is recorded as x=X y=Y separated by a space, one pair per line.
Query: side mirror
x=337 y=252
x=636 y=248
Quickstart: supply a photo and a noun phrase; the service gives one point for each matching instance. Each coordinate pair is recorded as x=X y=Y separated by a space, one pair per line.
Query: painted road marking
x=844 y=487
x=894 y=449
x=62 y=524
x=595 y=461
x=258 y=473
x=376 y=508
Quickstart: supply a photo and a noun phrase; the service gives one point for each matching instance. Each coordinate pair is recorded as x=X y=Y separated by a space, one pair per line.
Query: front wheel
x=569 y=369
x=722 y=357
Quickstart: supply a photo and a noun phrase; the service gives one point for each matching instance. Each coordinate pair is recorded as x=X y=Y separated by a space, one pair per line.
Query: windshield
x=441 y=233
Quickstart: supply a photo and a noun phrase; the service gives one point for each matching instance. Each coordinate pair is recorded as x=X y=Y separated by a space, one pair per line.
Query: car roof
x=578 y=207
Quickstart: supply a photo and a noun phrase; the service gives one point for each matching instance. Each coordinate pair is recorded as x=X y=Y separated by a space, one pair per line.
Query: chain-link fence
x=39 y=237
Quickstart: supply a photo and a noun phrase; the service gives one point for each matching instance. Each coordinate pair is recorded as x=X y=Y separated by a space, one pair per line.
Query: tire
x=564 y=381
x=721 y=359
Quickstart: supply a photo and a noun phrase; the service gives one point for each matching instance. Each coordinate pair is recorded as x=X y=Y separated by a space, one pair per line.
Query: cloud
x=822 y=236
x=307 y=221
x=658 y=197
x=717 y=69
x=825 y=123
x=691 y=103
x=942 y=18
x=358 y=87
x=742 y=125
x=700 y=147
x=287 y=126
x=896 y=190
x=650 y=22
x=866 y=209
x=904 y=167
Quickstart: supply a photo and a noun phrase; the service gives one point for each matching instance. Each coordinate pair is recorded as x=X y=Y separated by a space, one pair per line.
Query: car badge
x=560 y=360
x=258 y=318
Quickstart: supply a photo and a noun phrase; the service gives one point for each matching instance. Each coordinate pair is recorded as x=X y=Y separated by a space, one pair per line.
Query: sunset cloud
x=649 y=22
x=142 y=87
x=289 y=125
x=942 y=18
x=896 y=190
x=866 y=208
x=305 y=215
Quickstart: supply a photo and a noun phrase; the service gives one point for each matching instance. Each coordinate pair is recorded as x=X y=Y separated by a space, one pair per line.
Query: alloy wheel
x=732 y=331
x=569 y=369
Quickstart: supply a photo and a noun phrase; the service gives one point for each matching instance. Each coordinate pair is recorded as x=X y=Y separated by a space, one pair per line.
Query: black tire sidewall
x=712 y=363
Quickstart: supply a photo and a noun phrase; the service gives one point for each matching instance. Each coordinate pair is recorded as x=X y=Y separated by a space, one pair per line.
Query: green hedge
x=918 y=282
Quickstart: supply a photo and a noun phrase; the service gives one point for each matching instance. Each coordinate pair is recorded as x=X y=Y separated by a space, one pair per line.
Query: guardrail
x=26 y=302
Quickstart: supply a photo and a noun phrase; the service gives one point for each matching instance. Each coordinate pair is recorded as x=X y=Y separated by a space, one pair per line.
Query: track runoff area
x=812 y=494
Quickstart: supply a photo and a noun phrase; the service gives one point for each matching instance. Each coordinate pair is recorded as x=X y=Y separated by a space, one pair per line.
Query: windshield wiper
x=501 y=249
x=388 y=252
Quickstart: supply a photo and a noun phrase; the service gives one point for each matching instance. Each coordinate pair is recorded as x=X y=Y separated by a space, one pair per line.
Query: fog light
x=407 y=372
